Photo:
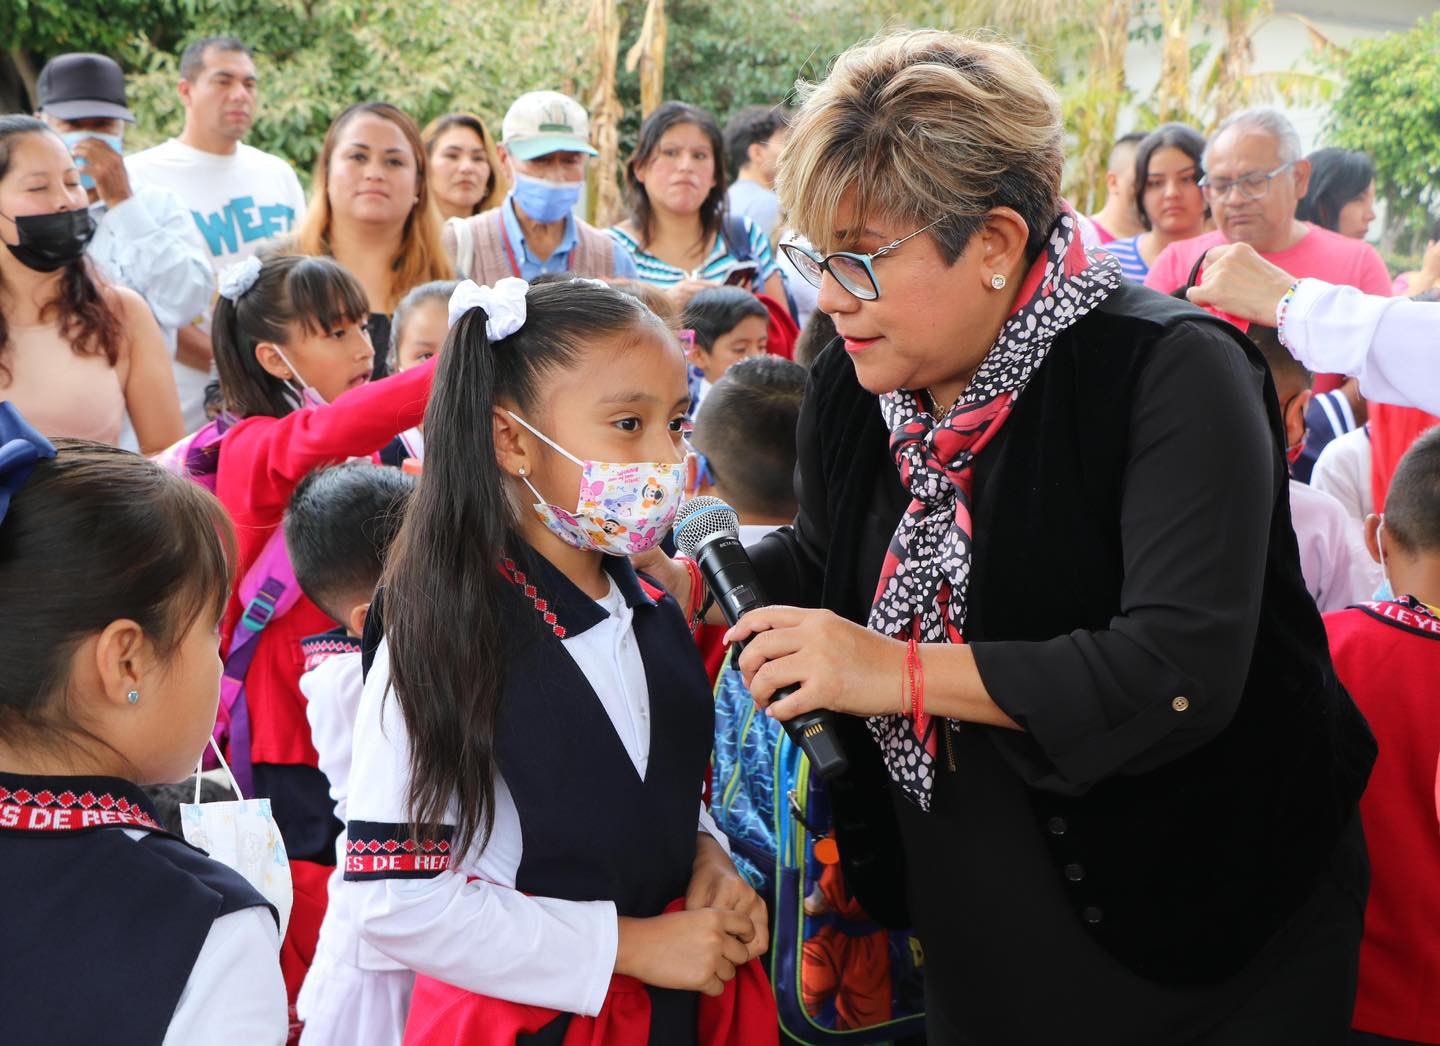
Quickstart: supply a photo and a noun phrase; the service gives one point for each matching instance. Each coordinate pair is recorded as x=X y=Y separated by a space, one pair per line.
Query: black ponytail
x=445 y=598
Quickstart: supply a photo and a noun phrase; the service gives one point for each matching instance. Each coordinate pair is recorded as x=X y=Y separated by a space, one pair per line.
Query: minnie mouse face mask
x=623 y=508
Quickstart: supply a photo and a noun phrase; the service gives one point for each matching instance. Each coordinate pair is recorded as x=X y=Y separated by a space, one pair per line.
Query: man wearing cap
x=144 y=237
x=544 y=147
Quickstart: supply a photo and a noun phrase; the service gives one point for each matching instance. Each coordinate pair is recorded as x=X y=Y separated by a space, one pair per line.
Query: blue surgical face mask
x=74 y=138
x=545 y=201
x=1386 y=592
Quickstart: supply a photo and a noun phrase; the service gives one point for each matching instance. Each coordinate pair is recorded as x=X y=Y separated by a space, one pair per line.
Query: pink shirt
x=1320 y=254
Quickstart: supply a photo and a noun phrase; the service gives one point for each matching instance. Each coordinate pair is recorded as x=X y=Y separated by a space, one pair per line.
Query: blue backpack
x=837 y=975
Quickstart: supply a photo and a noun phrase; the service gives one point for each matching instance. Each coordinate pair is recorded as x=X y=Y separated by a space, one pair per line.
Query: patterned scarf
x=926 y=577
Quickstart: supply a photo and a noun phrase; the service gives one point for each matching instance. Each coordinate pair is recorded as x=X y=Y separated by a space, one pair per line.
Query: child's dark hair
x=652 y=297
x=445 y=609
x=715 y=312
x=315 y=293
x=1412 y=504
x=97 y=535
x=435 y=290
x=819 y=332
x=1290 y=375
x=339 y=529
x=746 y=430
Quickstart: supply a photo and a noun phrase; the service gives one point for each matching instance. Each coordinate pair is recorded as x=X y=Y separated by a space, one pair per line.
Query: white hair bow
x=504 y=305
x=239 y=278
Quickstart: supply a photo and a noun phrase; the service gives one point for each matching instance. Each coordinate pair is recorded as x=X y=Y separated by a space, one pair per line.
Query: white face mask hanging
x=241 y=833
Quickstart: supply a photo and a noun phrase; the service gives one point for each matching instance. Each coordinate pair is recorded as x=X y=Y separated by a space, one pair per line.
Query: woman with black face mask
x=76 y=354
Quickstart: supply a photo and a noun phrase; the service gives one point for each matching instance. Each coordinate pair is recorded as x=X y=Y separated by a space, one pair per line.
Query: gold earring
x=998 y=281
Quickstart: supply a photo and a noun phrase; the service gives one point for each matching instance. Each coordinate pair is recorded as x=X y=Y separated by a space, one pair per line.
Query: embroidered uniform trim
x=319 y=649
x=22 y=810
x=542 y=606
x=1410 y=615
x=387 y=850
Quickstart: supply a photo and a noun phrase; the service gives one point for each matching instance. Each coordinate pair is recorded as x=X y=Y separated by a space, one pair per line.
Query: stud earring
x=524 y=470
x=133 y=697
x=998 y=281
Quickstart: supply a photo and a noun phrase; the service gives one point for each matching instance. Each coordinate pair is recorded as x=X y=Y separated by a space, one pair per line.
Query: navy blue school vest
x=592 y=828
x=98 y=932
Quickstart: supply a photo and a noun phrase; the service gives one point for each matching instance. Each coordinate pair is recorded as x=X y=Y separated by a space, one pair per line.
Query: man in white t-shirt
x=239 y=196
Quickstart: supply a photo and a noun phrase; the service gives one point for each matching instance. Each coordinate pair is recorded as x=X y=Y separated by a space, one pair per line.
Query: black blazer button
x=1092 y=915
x=1074 y=872
x=1057 y=826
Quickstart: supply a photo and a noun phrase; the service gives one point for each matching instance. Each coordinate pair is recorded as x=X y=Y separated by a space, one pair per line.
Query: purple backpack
x=267 y=591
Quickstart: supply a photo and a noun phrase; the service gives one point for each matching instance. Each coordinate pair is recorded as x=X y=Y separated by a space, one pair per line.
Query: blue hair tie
x=21 y=449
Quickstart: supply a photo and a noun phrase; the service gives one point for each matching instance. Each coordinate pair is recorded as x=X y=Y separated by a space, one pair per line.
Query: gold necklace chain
x=935 y=411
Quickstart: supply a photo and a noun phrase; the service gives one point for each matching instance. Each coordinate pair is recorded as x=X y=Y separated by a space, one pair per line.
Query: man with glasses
x=1254 y=177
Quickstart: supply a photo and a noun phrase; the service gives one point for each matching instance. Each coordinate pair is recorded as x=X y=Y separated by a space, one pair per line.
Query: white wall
x=1283 y=44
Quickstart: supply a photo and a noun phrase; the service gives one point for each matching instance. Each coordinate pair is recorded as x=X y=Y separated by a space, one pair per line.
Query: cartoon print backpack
x=267 y=591
x=837 y=975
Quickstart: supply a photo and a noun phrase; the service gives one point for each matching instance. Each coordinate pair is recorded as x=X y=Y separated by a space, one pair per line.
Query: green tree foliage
x=1389 y=106
x=315 y=57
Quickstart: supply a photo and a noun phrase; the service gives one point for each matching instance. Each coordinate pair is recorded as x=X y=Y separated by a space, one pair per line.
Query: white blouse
x=1391 y=344
x=469 y=926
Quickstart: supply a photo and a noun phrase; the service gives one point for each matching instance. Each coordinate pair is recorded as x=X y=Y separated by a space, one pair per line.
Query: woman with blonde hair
x=1099 y=758
x=465 y=173
x=370 y=210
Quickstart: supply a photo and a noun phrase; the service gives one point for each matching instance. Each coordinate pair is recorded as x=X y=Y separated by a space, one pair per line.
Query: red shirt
x=262 y=460
x=1320 y=254
x=1388 y=657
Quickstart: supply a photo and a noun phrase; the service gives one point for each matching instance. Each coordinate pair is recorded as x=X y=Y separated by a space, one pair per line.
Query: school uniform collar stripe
x=336 y=641
x=568 y=611
x=42 y=802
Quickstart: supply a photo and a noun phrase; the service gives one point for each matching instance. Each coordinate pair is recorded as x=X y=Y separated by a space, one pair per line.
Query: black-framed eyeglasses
x=1252 y=186
x=854 y=272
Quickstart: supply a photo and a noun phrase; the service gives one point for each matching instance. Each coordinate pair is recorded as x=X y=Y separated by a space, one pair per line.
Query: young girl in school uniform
x=112 y=929
x=525 y=827
x=295 y=362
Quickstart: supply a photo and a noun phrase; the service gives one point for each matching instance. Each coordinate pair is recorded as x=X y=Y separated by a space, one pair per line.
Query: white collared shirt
x=541 y=951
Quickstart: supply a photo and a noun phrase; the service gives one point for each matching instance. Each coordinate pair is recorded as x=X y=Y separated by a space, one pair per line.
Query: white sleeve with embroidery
x=468 y=925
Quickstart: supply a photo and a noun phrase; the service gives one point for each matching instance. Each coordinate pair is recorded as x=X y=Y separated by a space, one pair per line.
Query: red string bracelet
x=919 y=682
x=912 y=658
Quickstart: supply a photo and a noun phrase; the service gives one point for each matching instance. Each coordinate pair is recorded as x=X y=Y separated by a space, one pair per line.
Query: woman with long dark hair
x=678 y=230
x=1169 y=164
x=76 y=354
x=1341 y=196
x=370 y=209
x=465 y=173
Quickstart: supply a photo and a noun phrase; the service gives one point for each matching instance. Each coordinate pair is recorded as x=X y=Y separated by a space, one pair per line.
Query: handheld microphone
x=708 y=533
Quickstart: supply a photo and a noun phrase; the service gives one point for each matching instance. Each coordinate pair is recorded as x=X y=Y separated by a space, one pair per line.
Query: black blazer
x=1137 y=605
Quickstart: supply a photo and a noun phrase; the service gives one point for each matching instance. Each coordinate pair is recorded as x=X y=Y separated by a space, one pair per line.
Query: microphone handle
x=812 y=732
x=731 y=577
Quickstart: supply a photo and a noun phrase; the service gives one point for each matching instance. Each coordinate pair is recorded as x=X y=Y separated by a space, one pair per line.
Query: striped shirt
x=716 y=266
x=1127 y=253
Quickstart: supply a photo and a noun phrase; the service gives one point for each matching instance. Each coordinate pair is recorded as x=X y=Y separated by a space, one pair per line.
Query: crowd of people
x=1151 y=497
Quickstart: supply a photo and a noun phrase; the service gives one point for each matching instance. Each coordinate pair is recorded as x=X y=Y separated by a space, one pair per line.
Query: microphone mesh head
x=699 y=518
